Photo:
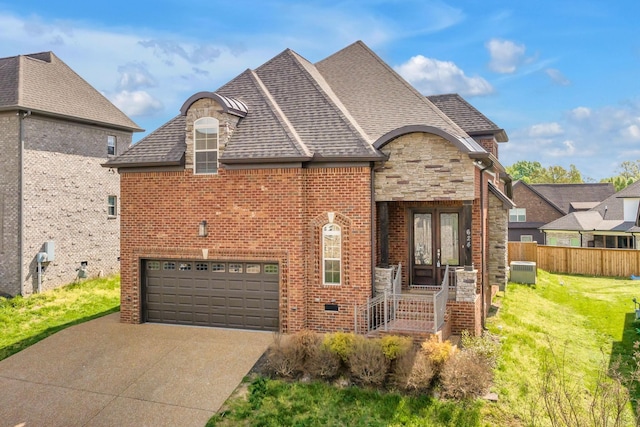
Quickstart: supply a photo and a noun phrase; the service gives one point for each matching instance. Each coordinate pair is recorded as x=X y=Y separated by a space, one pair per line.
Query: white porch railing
x=395 y=311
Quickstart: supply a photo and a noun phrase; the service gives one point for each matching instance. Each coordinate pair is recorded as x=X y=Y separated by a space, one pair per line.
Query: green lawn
x=587 y=322
x=25 y=321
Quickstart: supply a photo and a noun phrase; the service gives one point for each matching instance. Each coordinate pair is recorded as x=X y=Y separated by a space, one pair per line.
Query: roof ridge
x=334 y=100
x=421 y=98
x=279 y=115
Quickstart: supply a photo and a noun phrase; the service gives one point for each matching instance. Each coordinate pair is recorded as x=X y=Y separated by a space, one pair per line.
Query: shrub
x=323 y=363
x=367 y=363
x=284 y=357
x=465 y=375
x=401 y=367
x=306 y=341
x=394 y=346
x=341 y=343
x=437 y=352
x=422 y=373
x=487 y=346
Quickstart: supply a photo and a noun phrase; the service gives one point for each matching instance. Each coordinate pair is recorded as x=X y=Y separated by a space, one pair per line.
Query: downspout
x=482 y=244
x=373 y=228
x=21 y=116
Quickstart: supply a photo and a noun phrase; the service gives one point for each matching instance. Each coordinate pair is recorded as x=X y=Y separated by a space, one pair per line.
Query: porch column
x=383 y=218
x=467 y=210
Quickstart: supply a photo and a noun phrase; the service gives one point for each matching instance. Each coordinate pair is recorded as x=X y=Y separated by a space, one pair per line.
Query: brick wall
x=265 y=214
x=10 y=203
x=466 y=316
x=65 y=200
x=538 y=210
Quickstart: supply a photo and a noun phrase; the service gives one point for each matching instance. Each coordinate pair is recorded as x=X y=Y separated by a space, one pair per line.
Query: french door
x=435 y=242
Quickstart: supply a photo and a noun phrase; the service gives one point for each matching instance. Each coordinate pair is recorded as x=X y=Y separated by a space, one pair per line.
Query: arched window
x=205 y=136
x=331 y=254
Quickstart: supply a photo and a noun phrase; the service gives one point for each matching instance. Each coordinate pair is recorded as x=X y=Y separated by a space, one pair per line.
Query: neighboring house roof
x=343 y=108
x=467 y=117
x=506 y=201
x=608 y=215
x=42 y=83
x=563 y=196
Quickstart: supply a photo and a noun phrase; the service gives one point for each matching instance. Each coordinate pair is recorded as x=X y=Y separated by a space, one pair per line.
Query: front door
x=435 y=242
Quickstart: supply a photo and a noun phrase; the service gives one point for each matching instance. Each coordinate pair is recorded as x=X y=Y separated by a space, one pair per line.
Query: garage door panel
x=224 y=294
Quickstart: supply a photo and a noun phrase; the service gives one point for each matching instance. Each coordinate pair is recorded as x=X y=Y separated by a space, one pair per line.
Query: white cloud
x=506 y=55
x=545 y=130
x=432 y=76
x=135 y=75
x=581 y=113
x=568 y=148
x=136 y=103
x=631 y=132
x=557 y=77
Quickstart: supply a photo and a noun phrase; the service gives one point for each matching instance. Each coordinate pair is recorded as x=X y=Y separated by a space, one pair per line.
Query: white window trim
x=526 y=238
x=197 y=126
x=517 y=212
x=111 y=138
x=111 y=206
x=336 y=232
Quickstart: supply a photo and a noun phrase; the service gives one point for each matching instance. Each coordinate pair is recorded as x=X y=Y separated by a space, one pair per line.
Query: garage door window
x=153 y=265
x=235 y=268
x=218 y=268
x=253 y=268
x=169 y=266
x=185 y=266
x=271 y=268
x=202 y=266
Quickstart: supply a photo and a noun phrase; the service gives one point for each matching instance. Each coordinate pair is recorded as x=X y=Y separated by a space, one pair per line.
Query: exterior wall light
x=202 y=229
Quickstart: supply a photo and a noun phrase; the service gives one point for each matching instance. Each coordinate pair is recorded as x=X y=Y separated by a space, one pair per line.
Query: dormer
x=211 y=120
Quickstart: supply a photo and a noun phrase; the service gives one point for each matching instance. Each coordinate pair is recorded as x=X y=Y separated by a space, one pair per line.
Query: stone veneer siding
x=498 y=224
x=424 y=167
x=10 y=203
x=65 y=199
x=261 y=214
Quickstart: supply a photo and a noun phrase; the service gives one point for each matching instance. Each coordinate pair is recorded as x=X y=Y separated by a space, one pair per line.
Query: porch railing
x=395 y=311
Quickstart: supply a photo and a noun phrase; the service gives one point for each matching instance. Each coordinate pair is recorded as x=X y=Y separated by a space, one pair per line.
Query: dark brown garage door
x=209 y=293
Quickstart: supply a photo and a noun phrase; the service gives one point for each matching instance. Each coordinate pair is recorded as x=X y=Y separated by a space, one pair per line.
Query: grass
x=25 y=321
x=587 y=322
x=280 y=403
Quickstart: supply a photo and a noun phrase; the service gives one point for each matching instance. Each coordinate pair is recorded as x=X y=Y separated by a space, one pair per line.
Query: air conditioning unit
x=523 y=272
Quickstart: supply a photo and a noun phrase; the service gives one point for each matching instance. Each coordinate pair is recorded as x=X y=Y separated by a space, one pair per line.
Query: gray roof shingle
x=467 y=117
x=298 y=111
x=43 y=83
x=562 y=196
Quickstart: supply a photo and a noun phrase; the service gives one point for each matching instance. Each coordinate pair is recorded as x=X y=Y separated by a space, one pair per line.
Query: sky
x=562 y=78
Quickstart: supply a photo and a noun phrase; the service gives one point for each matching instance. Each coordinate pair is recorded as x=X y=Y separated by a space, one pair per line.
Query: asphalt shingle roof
x=466 y=116
x=43 y=83
x=608 y=215
x=562 y=196
x=298 y=111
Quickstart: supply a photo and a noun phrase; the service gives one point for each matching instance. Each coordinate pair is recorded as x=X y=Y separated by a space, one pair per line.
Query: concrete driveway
x=105 y=373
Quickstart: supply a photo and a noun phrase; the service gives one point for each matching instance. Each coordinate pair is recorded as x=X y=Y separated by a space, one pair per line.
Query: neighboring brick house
x=55 y=131
x=613 y=223
x=539 y=204
x=270 y=202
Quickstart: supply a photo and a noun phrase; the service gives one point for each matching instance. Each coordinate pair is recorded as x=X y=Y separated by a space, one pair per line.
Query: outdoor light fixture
x=202 y=229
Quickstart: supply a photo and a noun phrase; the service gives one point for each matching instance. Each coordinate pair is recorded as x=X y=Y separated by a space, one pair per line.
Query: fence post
x=386 y=310
x=368 y=315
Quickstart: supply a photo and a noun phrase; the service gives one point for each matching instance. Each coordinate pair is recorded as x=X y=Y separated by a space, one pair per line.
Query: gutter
x=373 y=229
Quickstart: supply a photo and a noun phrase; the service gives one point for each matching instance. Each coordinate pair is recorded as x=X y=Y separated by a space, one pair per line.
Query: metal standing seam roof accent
x=229 y=105
x=44 y=84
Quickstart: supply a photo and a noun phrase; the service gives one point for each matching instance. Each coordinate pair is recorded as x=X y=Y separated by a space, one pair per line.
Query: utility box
x=50 y=250
x=523 y=272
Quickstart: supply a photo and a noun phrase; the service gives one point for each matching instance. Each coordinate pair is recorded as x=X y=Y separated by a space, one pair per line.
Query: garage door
x=209 y=293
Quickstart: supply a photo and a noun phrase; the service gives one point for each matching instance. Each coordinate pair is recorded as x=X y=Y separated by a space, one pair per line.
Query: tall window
x=112 y=206
x=331 y=254
x=206 y=145
x=517 y=215
x=111 y=145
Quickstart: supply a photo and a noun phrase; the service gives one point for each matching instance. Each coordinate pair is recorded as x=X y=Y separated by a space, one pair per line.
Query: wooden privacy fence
x=589 y=261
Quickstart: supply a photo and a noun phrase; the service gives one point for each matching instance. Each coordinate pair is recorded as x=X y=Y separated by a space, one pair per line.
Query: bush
x=323 y=363
x=284 y=357
x=306 y=341
x=487 y=346
x=465 y=375
x=394 y=346
x=401 y=367
x=422 y=373
x=341 y=343
x=367 y=363
x=437 y=352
